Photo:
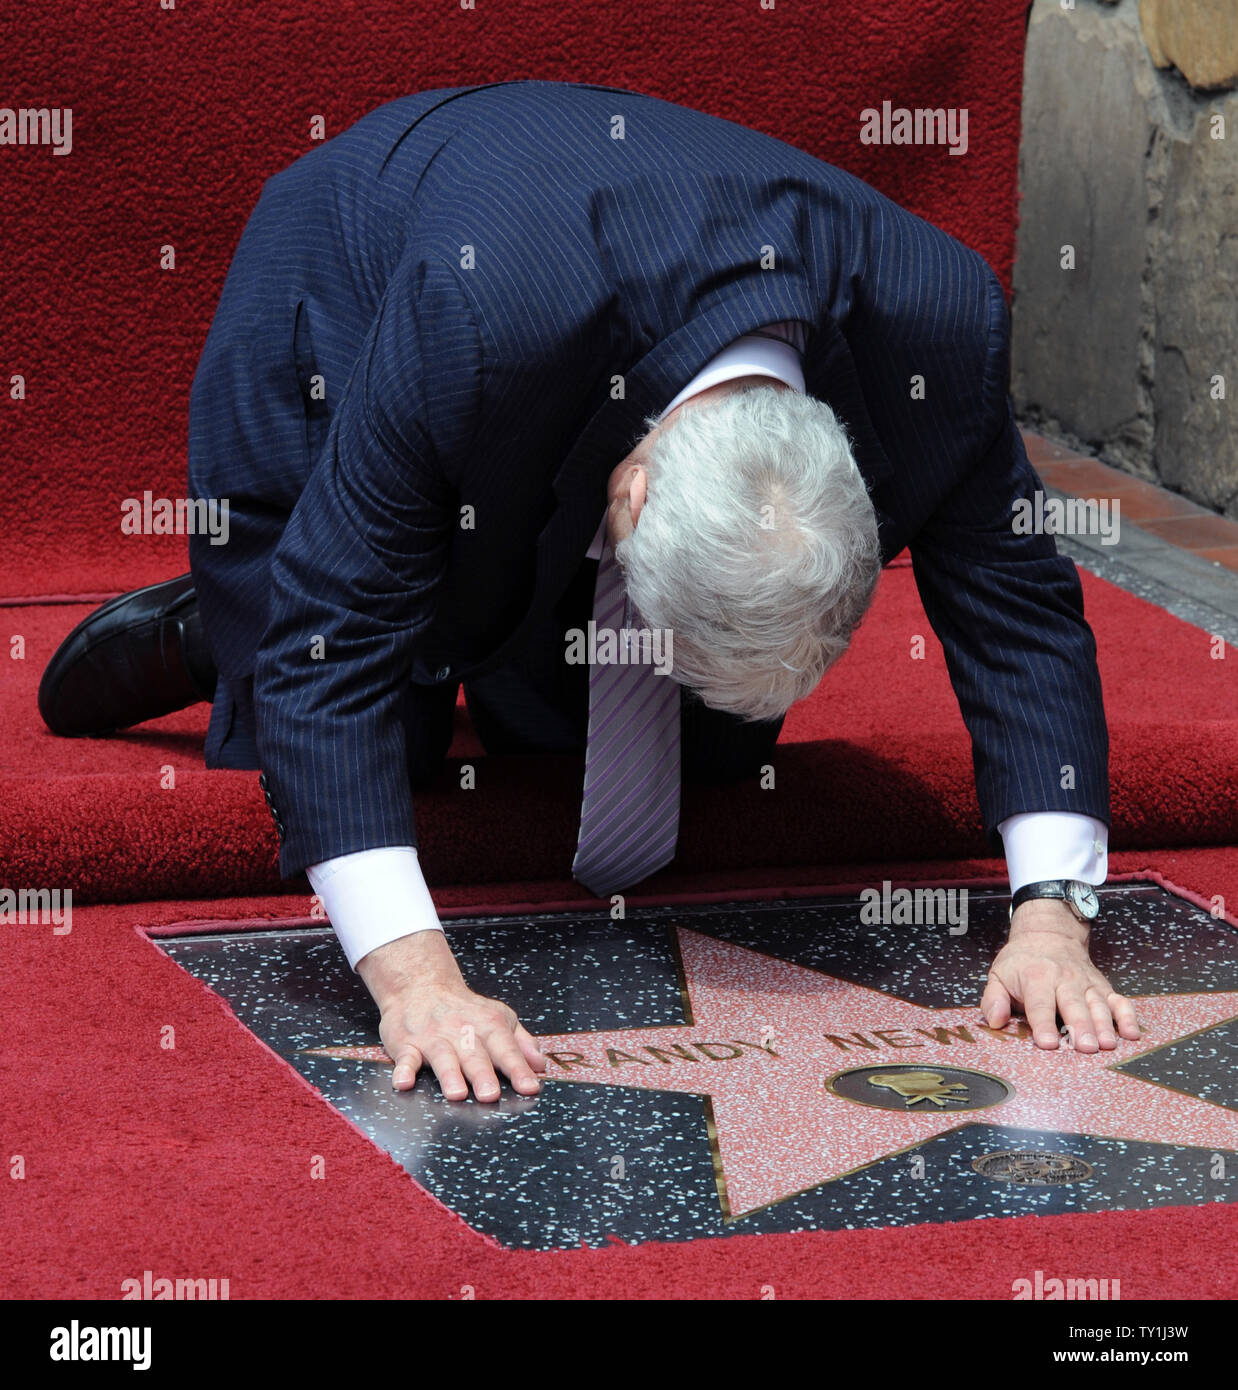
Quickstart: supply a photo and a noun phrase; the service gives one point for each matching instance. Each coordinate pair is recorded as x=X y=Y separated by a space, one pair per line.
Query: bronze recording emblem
x=921 y=1090
x=1032 y=1167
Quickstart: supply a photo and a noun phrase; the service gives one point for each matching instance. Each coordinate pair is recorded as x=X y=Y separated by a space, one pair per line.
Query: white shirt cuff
x=1054 y=844
x=374 y=896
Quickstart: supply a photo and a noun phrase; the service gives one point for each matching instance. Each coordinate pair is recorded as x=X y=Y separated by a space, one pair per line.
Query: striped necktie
x=629 y=819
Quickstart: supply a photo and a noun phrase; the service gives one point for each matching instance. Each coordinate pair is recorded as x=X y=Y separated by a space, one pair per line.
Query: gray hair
x=757 y=547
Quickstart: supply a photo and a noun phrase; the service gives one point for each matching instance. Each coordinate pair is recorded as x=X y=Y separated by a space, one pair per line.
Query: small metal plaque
x=1033 y=1167
x=921 y=1090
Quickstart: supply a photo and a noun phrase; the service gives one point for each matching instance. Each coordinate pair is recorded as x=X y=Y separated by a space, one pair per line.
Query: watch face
x=1083 y=897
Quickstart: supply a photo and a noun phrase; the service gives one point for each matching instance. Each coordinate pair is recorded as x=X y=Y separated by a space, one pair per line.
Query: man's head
x=743 y=525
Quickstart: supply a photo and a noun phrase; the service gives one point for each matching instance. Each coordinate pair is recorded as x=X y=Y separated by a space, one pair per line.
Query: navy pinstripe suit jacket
x=496 y=289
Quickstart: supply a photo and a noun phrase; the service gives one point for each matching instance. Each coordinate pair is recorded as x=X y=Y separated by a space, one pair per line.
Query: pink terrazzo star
x=766 y=1035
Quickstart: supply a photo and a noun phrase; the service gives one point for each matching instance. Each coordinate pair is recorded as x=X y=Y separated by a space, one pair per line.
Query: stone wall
x=1126 y=277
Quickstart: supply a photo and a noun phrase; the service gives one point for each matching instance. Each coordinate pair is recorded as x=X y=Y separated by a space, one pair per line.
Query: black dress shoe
x=137 y=657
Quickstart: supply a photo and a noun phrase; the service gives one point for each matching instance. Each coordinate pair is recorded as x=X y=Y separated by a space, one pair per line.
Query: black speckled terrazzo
x=696 y=1110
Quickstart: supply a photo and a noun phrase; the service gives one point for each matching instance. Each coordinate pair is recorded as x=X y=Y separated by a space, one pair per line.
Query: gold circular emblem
x=920 y=1090
x=1032 y=1166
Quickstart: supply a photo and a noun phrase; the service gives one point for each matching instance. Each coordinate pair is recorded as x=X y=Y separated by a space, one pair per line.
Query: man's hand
x=1045 y=967
x=430 y=1015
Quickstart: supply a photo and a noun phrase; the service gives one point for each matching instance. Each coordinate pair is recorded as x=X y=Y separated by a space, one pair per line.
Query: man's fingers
x=407 y=1065
x=1077 y=1017
x=467 y=1056
x=1102 y=1019
x=442 y=1057
x=1123 y=1011
x=477 y=1067
x=1040 y=1006
x=506 y=1051
x=995 y=1003
x=509 y=1058
x=534 y=1055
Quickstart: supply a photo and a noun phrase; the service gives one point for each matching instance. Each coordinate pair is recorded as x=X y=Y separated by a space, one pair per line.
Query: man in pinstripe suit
x=498 y=362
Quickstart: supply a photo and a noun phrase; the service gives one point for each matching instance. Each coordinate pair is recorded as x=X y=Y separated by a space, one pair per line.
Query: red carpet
x=198 y=1159
x=179 y=116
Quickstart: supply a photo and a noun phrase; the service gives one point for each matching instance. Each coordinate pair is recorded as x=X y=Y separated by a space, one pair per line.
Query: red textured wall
x=180 y=114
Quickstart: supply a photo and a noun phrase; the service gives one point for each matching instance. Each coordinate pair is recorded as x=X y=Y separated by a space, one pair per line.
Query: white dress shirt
x=374 y=896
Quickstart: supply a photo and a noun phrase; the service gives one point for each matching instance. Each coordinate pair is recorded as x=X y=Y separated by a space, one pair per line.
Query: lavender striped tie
x=629 y=819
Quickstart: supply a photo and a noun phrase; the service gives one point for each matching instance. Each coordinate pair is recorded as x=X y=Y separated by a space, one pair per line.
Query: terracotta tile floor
x=1153 y=509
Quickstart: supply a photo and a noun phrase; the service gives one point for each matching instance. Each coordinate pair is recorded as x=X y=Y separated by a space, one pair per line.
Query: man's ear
x=626 y=503
x=637 y=492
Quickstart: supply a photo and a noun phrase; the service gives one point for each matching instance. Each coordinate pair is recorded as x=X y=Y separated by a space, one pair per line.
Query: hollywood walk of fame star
x=766 y=1036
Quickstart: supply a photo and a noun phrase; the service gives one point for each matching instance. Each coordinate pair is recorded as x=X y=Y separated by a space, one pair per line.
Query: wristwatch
x=1079 y=897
